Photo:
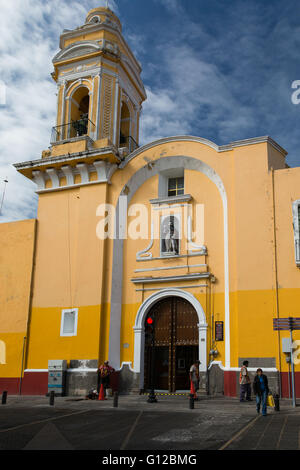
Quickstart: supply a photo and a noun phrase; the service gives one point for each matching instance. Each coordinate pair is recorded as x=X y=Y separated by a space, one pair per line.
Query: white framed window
x=171 y=183
x=69 y=320
x=175 y=186
x=296 y=224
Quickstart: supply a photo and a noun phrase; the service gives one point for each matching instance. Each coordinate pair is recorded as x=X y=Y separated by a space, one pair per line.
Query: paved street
x=215 y=423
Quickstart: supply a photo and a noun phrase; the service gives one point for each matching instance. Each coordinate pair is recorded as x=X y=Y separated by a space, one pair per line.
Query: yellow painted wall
x=68 y=274
x=252 y=277
x=73 y=267
x=17 y=241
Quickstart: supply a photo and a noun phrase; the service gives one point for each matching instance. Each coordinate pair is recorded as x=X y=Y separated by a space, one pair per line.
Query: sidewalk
x=75 y=423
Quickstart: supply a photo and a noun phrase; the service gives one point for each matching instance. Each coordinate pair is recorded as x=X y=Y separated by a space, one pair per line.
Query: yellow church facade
x=200 y=238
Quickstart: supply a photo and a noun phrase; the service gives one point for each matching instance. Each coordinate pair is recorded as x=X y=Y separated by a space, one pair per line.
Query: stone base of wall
x=203 y=382
x=81 y=377
x=226 y=382
x=273 y=381
x=215 y=380
x=129 y=381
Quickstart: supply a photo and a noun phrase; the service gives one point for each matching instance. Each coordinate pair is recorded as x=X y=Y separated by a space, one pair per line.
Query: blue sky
x=219 y=69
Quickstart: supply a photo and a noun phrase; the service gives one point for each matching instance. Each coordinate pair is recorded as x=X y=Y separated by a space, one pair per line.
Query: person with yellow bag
x=261 y=390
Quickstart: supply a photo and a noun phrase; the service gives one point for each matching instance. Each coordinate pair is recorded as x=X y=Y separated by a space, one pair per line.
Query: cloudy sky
x=219 y=69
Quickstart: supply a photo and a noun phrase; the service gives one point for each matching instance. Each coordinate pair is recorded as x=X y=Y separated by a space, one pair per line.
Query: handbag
x=270 y=400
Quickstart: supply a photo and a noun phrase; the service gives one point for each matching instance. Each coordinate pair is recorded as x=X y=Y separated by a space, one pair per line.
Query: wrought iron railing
x=128 y=142
x=81 y=127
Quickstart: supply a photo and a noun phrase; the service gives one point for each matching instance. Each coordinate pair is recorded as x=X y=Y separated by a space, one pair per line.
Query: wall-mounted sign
x=219 y=331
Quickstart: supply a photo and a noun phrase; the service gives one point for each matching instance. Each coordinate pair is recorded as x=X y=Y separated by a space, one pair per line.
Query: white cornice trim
x=80 y=32
x=48 y=161
x=149 y=289
x=71 y=186
x=104 y=171
x=184 y=277
x=171 y=257
x=165 y=268
x=201 y=140
x=78 y=45
x=237 y=369
x=171 y=199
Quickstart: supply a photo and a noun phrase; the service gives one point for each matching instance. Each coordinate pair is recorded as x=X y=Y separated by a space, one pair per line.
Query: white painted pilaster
x=202 y=328
x=83 y=170
x=39 y=179
x=116 y=113
x=98 y=106
x=68 y=172
x=138 y=342
x=101 y=170
x=52 y=172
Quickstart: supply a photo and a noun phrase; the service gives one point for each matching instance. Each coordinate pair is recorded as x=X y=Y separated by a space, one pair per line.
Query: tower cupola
x=100 y=91
x=99 y=101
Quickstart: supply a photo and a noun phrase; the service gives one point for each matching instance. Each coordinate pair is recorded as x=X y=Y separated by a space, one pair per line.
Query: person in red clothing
x=104 y=371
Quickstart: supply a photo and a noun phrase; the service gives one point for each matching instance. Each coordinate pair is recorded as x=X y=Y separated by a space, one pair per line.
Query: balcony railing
x=297 y=251
x=129 y=143
x=81 y=127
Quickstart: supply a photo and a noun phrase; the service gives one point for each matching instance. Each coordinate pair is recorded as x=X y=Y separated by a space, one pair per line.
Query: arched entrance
x=171 y=344
x=139 y=328
x=80 y=104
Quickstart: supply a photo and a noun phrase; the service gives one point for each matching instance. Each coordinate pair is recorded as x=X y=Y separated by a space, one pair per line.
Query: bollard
x=4 y=397
x=52 y=395
x=116 y=398
x=276 y=401
x=192 y=401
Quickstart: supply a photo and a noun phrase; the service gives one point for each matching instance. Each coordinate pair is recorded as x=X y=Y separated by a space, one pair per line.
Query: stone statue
x=169 y=237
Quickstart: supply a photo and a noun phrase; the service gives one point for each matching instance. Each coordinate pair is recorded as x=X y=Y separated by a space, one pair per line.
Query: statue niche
x=169 y=236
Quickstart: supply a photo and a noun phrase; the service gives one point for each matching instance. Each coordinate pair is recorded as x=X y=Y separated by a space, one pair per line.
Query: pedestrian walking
x=194 y=376
x=261 y=390
x=245 y=383
x=104 y=372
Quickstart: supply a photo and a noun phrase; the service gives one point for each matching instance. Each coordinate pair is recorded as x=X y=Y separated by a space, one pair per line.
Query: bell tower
x=99 y=101
x=98 y=78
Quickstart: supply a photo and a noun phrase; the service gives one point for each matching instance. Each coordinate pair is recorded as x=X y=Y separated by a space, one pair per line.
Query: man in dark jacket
x=261 y=390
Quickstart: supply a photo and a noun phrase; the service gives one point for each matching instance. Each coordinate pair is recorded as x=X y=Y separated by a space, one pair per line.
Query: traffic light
x=149 y=328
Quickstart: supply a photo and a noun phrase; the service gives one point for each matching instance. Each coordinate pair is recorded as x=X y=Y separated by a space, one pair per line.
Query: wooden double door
x=171 y=344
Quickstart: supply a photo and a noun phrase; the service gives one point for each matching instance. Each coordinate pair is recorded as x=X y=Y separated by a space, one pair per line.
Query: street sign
x=219 y=331
x=291 y=324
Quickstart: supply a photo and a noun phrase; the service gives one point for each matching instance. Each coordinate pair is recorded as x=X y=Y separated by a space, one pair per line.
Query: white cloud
x=30 y=32
x=216 y=85
x=197 y=97
x=173 y=6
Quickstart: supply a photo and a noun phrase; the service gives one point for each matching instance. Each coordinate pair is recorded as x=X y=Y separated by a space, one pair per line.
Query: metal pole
x=293 y=371
x=52 y=395
x=289 y=377
x=4 y=397
x=191 y=402
x=2 y=200
x=115 y=402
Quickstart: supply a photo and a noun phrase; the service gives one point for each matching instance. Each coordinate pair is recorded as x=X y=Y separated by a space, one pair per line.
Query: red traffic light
x=149 y=321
